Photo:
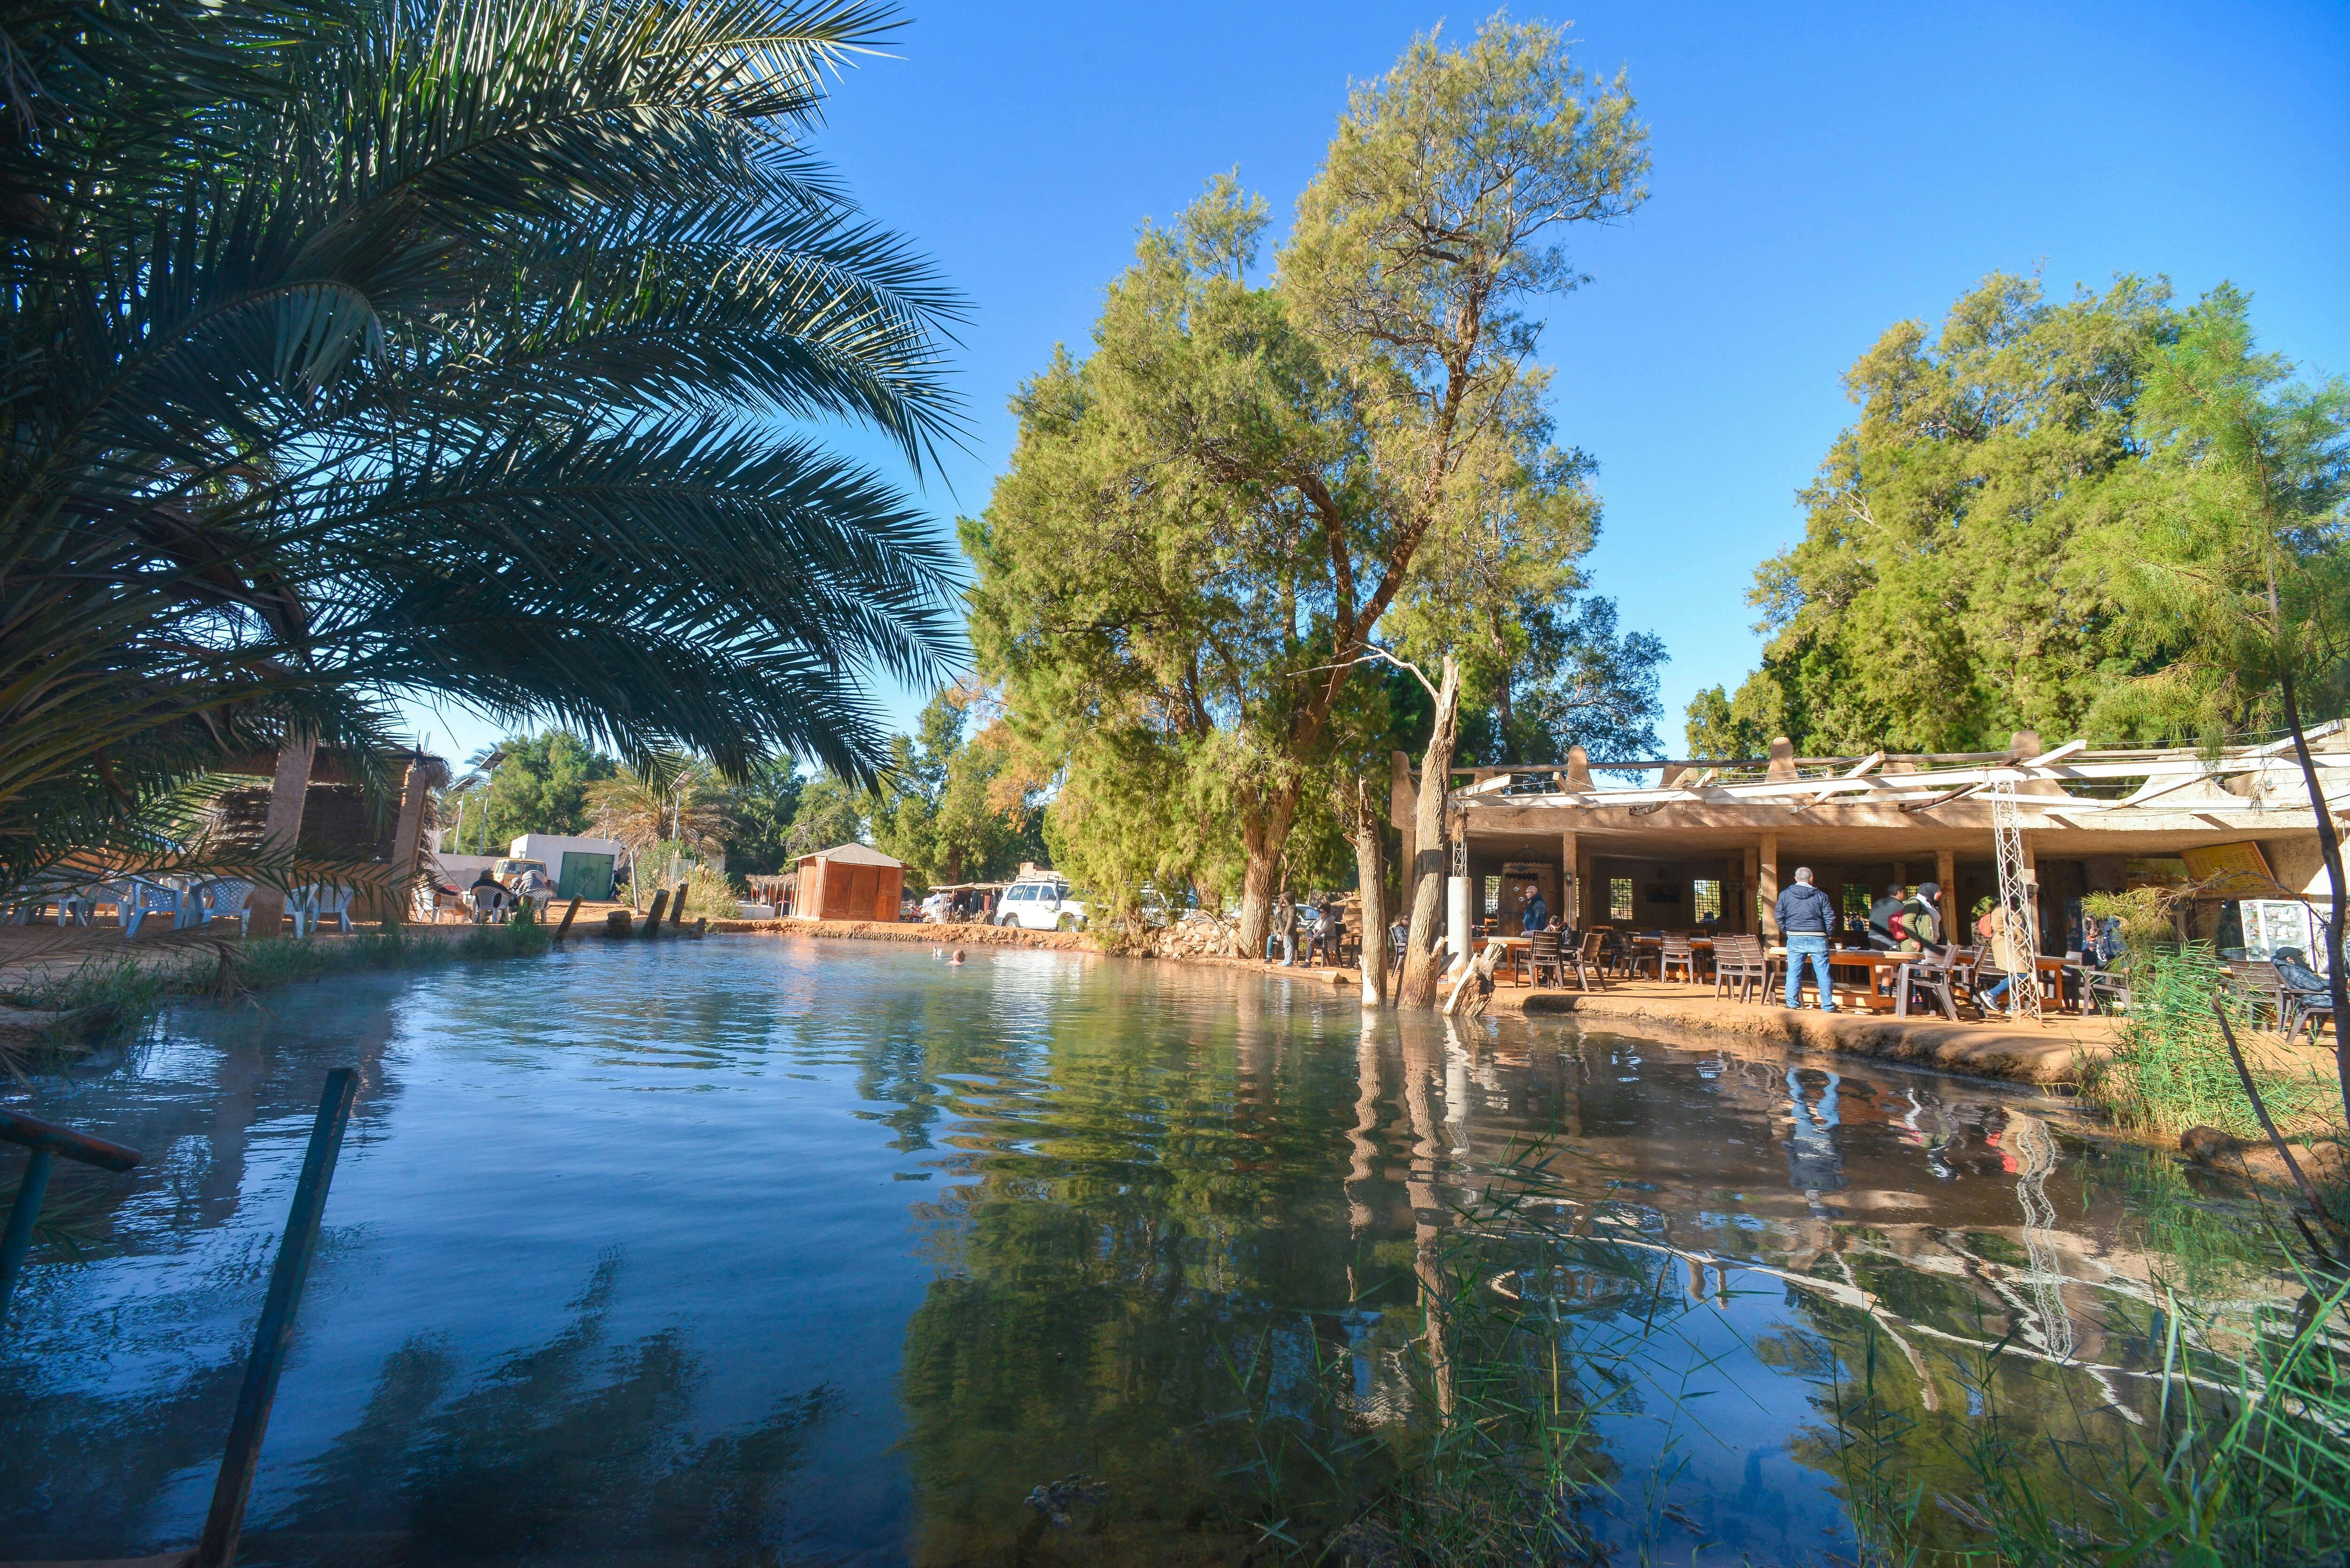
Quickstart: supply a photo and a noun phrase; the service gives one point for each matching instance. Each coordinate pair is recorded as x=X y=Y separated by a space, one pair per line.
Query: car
x=1040 y=904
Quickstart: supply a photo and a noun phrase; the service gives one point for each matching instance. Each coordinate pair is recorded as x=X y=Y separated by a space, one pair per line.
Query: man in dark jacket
x=1805 y=918
x=1880 y=919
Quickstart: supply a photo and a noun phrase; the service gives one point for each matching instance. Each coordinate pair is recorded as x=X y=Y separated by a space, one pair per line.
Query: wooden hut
x=849 y=882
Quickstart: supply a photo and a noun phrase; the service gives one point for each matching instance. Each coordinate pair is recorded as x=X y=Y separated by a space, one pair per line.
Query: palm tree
x=362 y=346
x=666 y=800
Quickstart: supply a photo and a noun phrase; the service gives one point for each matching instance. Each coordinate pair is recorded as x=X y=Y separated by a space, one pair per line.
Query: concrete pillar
x=289 y=788
x=1945 y=872
x=1456 y=918
x=1767 y=881
x=407 y=840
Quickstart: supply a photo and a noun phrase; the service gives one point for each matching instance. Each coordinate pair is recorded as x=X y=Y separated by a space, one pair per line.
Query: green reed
x=2170 y=1068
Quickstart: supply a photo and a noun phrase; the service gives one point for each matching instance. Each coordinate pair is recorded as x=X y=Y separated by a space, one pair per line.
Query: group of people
x=1319 y=923
x=1899 y=921
x=966 y=904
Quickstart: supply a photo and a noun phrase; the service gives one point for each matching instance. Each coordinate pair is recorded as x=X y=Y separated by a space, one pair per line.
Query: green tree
x=450 y=348
x=765 y=802
x=955 y=806
x=543 y=786
x=831 y=812
x=1436 y=219
x=2233 y=538
x=1940 y=598
x=1208 y=519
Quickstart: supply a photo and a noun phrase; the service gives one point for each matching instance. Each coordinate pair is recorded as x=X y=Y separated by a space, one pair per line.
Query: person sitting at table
x=2007 y=954
x=1881 y=916
x=1537 y=913
x=1919 y=925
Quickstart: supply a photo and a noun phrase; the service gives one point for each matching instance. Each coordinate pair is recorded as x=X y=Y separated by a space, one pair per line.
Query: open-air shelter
x=1685 y=845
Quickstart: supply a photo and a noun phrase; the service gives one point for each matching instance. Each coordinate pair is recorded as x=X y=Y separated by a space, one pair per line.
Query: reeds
x=2171 y=1069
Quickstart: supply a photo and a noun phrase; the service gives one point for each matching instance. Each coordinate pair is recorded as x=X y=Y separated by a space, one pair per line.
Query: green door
x=585 y=876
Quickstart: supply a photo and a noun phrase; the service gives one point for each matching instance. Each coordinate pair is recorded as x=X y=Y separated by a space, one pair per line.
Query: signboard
x=2274 y=923
x=2229 y=871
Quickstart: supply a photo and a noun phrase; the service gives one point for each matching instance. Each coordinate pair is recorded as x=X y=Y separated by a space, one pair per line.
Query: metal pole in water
x=19 y=1234
x=273 y=1336
x=44 y=1141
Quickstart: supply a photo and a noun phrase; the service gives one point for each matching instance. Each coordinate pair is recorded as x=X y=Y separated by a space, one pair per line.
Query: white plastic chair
x=228 y=898
x=135 y=899
x=333 y=902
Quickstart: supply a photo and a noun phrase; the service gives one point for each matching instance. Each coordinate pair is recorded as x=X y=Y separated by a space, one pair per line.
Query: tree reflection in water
x=574 y=1451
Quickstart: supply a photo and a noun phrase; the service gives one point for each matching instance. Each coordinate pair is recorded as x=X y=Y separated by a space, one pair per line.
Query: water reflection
x=875 y=1250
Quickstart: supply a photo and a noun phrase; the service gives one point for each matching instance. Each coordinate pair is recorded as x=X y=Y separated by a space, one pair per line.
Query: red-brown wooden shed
x=849 y=882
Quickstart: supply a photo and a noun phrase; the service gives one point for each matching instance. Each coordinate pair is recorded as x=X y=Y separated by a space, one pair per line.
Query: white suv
x=1040 y=907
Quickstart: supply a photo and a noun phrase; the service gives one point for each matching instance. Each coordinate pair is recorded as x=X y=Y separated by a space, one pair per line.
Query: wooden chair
x=1677 y=954
x=1929 y=974
x=1740 y=961
x=2261 y=988
x=1543 y=956
x=1584 y=958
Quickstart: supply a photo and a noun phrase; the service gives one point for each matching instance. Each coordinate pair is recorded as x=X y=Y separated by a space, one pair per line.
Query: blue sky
x=1821 y=171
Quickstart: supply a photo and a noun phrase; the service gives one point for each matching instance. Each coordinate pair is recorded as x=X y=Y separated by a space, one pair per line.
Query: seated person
x=2294 y=970
x=488 y=893
x=533 y=883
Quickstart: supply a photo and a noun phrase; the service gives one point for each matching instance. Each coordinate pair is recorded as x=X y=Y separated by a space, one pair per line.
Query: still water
x=768 y=1250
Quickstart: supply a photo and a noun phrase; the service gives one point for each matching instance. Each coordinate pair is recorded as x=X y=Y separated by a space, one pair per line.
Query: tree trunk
x=2329 y=845
x=1264 y=833
x=1371 y=874
x=1422 y=967
x=281 y=828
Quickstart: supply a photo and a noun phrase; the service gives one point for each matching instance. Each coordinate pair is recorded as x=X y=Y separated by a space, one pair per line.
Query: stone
x=2205 y=1145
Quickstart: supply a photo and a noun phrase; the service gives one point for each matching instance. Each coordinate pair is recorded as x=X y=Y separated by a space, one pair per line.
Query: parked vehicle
x=1041 y=903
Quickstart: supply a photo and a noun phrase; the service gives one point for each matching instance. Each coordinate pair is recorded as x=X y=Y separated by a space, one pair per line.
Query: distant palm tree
x=668 y=800
x=365 y=347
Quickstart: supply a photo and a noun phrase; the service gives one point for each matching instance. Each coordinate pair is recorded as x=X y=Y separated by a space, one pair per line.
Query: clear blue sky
x=1821 y=171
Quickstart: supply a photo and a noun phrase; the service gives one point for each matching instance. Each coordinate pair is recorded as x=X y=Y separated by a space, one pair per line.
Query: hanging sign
x=2229 y=871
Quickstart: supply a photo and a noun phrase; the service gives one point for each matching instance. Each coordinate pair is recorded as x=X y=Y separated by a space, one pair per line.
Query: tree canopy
x=1215 y=515
x=1941 y=596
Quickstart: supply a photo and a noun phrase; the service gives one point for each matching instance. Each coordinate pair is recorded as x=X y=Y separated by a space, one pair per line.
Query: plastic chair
x=1740 y=961
x=135 y=899
x=1929 y=974
x=228 y=899
x=1678 y=954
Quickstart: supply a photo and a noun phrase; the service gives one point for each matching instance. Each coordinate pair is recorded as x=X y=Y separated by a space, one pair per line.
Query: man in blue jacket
x=1805 y=918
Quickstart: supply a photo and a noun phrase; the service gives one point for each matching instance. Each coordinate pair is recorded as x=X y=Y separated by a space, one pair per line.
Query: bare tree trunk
x=1371 y=873
x=1422 y=967
x=289 y=787
x=1264 y=833
x=2329 y=845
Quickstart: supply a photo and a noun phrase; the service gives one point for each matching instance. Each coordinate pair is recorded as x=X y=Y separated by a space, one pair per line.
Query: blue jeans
x=1812 y=945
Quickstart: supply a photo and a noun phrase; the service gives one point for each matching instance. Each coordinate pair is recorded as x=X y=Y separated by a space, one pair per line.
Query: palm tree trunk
x=289 y=787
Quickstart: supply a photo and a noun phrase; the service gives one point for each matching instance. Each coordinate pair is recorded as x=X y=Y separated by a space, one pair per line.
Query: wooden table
x=1867 y=959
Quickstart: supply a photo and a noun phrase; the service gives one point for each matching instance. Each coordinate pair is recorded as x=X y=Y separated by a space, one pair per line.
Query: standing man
x=1537 y=913
x=1805 y=918
x=1284 y=930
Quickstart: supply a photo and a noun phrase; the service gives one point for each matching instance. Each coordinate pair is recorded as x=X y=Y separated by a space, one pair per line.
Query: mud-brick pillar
x=1766 y=882
x=281 y=829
